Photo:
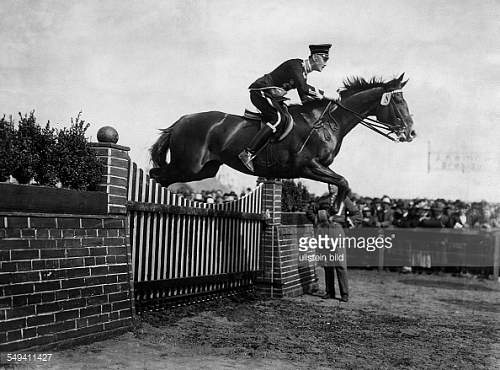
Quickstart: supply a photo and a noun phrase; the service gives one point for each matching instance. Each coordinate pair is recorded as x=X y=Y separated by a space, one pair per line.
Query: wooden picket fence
x=185 y=251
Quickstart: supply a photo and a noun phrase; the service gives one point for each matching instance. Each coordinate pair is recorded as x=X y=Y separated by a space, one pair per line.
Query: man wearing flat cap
x=267 y=94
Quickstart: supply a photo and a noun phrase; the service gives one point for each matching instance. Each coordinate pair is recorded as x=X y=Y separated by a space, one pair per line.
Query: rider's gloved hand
x=316 y=93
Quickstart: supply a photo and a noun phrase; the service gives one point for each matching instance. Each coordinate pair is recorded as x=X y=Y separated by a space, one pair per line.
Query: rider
x=267 y=92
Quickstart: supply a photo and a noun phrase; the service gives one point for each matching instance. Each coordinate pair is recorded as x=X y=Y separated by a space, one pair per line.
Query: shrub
x=25 y=139
x=34 y=151
x=8 y=157
x=77 y=165
x=295 y=196
x=48 y=155
x=45 y=167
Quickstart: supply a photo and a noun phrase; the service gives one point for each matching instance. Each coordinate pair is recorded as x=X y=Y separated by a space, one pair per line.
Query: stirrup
x=246 y=158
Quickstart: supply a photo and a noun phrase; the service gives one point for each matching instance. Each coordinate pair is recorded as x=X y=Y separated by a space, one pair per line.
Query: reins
x=315 y=125
x=371 y=123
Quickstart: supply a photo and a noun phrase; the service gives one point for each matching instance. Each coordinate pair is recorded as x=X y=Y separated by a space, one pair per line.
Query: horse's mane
x=355 y=84
x=352 y=85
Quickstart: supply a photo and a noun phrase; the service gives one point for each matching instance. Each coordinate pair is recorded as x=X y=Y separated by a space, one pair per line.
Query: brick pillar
x=115 y=183
x=115 y=178
x=281 y=274
x=270 y=283
x=271 y=199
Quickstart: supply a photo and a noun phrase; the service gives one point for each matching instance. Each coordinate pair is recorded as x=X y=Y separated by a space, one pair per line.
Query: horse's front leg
x=317 y=171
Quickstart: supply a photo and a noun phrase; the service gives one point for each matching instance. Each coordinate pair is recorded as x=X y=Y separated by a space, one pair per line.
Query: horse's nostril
x=413 y=133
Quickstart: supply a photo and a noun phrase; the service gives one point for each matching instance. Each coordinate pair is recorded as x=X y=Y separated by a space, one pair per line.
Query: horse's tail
x=160 y=149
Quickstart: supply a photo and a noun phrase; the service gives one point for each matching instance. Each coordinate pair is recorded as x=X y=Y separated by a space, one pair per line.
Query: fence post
x=271 y=199
x=114 y=182
x=496 y=256
x=116 y=166
x=269 y=284
x=281 y=274
x=381 y=259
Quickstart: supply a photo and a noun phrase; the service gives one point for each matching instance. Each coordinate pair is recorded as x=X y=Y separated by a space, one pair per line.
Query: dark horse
x=200 y=143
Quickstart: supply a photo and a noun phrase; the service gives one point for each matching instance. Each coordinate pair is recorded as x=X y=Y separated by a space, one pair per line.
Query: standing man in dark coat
x=330 y=221
x=267 y=94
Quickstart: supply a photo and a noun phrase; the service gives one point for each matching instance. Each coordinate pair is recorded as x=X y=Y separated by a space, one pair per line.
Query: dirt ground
x=392 y=321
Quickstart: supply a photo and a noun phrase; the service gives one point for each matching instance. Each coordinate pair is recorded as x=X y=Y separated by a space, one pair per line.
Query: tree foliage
x=77 y=165
x=33 y=150
x=47 y=155
x=8 y=156
x=295 y=196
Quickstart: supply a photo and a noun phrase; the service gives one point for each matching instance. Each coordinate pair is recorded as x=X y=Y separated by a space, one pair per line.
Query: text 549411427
x=23 y=357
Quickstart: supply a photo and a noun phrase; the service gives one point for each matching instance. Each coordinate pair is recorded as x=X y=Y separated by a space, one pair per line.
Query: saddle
x=285 y=127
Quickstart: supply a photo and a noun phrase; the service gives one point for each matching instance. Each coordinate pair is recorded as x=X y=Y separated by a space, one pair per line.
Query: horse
x=200 y=143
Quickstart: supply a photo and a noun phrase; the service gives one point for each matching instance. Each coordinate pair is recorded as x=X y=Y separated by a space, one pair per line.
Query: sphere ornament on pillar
x=107 y=134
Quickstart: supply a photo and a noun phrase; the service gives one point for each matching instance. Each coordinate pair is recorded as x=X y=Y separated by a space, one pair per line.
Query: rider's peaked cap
x=320 y=48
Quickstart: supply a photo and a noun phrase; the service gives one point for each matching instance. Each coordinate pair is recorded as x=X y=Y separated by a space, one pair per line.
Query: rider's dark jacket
x=289 y=75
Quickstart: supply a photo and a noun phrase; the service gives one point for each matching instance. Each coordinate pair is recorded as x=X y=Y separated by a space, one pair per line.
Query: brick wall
x=63 y=278
x=67 y=278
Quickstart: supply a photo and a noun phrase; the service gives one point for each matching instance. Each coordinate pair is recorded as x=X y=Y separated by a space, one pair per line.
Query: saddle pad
x=288 y=124
x=288 y=128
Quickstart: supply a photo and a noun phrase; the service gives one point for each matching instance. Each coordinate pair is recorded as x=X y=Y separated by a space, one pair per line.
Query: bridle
x=373 y=124
x=383 y=128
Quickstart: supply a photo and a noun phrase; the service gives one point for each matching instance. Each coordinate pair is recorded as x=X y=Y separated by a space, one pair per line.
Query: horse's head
x=378 y=98
x=393 y=110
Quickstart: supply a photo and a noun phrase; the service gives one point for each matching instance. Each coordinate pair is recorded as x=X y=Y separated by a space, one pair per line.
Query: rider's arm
x=305 y=91
x=315 y=93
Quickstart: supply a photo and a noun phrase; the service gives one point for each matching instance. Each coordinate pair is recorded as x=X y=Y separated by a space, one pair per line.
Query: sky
x=140 y=65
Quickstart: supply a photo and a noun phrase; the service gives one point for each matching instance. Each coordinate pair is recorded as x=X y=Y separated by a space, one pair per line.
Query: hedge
x=46 y=155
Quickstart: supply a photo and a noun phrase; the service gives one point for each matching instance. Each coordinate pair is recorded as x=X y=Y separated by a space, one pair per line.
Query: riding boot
x=257 y=143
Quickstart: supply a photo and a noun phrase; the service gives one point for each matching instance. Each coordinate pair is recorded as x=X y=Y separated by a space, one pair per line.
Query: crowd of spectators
x=385 y=212
x=211 y=196
x=438 y=213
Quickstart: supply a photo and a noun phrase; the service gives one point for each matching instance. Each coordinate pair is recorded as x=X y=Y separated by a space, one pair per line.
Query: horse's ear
x=400 y=78
x=403 y=83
